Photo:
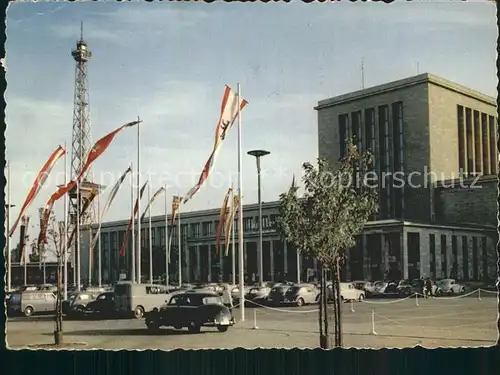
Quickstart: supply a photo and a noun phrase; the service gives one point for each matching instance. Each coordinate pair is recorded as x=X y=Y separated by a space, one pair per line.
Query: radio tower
x=81 y=209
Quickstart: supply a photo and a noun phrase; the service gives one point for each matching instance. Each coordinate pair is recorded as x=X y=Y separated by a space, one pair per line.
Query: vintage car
x=192 y=310
x=103 y=305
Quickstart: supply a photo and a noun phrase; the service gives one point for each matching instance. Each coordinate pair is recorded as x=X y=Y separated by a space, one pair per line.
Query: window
x=484 y=257
x=357 y=135
x=266 y=223
x=454 y=262
x=195 y=230
x=475 y=260
x=153 y=236
x=370 y=132
x=493 y=145
x=343 y=134
x=385 y=190
x=486 y=144
x=462 y=151
x=468 y=139
x=444 y=262
x=207 y=228
x=162 y=236
x=398 y=155
x=478 y=153
x=247 y=224
x=255 y=223
x=273 y=220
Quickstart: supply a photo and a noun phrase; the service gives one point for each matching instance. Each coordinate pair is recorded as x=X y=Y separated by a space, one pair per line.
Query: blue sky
x=168 y=64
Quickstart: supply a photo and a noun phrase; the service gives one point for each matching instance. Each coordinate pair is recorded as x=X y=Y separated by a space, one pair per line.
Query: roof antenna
x=81 y=30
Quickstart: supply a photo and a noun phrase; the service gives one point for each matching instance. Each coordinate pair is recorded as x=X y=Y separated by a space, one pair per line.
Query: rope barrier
x=388 y=302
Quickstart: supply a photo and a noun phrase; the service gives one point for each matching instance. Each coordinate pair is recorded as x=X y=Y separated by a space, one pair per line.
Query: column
x=460 y=259
x=471 y=257
x=198 y=263
x=221 y=260
x=491 y=257
x=209 y=277
x=404 y=254
x=481 y=253
x=425 y=255
x=285 y=257
x=187 y=273
x=299 y=264
x=271 y=260
x=449 y=255
x=367 y=274
x=437 y=253
x=384 y=248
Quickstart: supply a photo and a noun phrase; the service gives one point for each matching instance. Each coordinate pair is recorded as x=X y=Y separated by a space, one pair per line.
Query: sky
x=168 y=63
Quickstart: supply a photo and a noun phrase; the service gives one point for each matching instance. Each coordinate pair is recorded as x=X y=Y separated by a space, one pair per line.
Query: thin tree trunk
x=323 y=338
x=338 y=322
x=324 y=291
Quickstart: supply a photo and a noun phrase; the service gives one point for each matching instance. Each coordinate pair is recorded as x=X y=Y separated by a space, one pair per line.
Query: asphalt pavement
x=439 y=322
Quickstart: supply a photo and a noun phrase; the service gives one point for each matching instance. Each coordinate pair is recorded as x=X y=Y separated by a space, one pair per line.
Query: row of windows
x=476 y=142
x=381 y=132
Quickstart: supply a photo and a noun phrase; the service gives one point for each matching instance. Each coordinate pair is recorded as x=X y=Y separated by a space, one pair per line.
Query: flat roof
x=420 y=79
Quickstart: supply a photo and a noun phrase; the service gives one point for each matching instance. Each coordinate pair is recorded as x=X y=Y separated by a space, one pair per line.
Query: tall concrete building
x=429 y=138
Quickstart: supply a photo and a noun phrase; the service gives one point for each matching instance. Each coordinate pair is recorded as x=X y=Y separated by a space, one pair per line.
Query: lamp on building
x=258 y=154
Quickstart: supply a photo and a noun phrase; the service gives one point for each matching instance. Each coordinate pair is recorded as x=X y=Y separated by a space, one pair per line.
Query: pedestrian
x=428 y=287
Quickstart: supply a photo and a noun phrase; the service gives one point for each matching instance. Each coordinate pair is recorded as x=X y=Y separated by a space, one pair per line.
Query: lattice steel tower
x=80 y=148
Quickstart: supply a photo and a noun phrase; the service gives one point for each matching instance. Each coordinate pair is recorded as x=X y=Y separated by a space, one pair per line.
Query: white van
x=136 y=299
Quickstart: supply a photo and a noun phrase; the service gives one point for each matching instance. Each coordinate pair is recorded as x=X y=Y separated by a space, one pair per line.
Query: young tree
x=323 y=224
x=56 y=235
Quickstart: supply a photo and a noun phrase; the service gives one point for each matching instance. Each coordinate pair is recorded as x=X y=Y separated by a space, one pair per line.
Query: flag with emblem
x=38 y=184
x=230 y=222
x=230 y=108
x=176 y=205
x=224 y=211
x=99 y=147
x=129 y=228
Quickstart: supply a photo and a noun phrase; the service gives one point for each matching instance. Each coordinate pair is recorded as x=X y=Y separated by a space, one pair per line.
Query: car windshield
x=443 y=282
x=212 y=300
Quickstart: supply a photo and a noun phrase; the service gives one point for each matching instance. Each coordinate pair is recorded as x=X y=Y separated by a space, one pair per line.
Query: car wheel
x=138 y=312
x=222 y=328
x=28 y=311
x=300 y=302
x=361 y=297
x=194 y=327
x=178 y=327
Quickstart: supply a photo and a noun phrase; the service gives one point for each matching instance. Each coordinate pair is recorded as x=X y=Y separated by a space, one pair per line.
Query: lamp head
x=258 y=153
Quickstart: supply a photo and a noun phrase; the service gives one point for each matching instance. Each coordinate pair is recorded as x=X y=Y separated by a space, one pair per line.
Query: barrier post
x=479 y=294
x=352 y=305
x=373 y=323
x=255 y=319
x=416 y=299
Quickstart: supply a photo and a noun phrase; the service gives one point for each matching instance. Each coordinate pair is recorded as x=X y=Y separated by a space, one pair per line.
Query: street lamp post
x=8 y=206
x=258 y=154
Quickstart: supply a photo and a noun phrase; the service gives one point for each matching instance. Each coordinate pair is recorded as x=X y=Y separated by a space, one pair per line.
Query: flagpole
x=179 y=240
x=133 y=222
x=233 y=249
x=90 y=252
x=150 y=238
x=9 y=255
x=139 y=278
x=167 y=247
x=99 y=266
x=65 y=255
x=240 y=213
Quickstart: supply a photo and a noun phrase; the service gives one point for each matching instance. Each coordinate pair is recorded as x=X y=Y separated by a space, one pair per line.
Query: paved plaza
x=452 y=322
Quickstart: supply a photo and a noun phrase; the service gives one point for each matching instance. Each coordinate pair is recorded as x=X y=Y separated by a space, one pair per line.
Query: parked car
x=191 y=310
x=371 y=287
x=258 y=294
x=277 y=294
x=104 y=304
x=76 y=302
x=449 y=286
x=301 y=294
x=32 y=302
x=349 y=292
x=386 y=289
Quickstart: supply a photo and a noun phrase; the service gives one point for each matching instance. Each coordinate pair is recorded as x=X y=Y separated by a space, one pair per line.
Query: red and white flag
x=99 y=147
x=136 y=208
x=176 y=204
x=37 y=185
x=230 y=221
x=228 y=114
x=222 y=219
x=155 y=195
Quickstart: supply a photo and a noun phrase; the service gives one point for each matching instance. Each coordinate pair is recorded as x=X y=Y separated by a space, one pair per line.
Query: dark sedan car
x=192 y=310
x=103 y=305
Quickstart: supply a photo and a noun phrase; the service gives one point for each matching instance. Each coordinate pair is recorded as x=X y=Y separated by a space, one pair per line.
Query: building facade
x=430 y=139
x=435 y=160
